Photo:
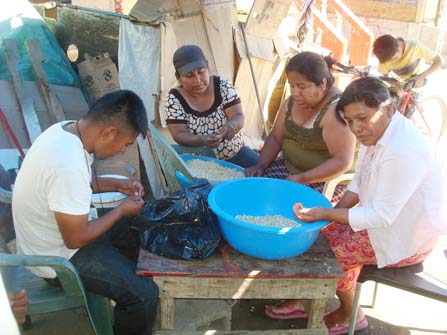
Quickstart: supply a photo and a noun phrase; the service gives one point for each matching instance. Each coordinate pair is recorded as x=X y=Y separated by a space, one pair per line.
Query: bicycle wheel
x=430 y=115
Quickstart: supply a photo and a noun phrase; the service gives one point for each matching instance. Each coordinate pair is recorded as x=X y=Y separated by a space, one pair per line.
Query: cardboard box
x=99 y=75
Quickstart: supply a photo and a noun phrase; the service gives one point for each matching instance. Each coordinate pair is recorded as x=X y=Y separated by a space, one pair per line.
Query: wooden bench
x=229 y=274
x=428 y=279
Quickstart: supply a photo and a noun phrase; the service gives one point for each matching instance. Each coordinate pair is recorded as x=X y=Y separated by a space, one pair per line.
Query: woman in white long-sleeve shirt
x=394 y=209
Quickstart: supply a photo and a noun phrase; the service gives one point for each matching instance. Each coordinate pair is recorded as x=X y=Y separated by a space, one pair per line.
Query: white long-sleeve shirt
x=403 y=206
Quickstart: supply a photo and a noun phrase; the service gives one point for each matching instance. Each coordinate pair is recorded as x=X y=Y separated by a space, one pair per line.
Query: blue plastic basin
x=265 y=196
x=183 y=181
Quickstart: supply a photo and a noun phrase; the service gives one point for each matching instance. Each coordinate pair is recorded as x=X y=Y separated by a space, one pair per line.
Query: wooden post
x=37 y=57
x=361 y=39
x=24 y=100
x=316 y=311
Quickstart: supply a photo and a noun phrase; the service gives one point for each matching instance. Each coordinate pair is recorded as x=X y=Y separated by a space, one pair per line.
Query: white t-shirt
x=403 y=205
x=55 y=177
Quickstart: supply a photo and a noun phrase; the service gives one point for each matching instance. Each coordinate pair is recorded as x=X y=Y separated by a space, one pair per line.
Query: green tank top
x=304 y=148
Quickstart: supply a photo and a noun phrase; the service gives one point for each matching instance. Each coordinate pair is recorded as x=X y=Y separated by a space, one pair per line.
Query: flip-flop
x=343 y=329
x=293 y=314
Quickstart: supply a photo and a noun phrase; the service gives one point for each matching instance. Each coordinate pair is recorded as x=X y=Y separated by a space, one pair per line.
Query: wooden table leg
x=316 y=312
x=166 y=313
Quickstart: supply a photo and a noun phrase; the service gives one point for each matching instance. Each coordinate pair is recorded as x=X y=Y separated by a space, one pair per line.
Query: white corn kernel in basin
x=277 y=221
x=212 y=171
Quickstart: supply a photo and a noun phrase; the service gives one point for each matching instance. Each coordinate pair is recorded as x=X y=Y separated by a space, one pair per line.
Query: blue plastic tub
x=265 y=196
x=183 y=181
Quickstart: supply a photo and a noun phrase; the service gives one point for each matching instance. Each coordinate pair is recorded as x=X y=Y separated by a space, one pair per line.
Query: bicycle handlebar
x=350 y=69
x=331 y=61
x=409 y=85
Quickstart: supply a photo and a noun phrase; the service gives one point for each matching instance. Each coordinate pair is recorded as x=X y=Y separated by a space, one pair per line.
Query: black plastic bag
x=180 y=226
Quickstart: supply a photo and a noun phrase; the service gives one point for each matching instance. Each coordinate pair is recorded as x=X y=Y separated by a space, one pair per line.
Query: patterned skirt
x=353 y=250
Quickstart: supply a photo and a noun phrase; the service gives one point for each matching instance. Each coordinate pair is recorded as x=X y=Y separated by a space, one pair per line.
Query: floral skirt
x=353 y=250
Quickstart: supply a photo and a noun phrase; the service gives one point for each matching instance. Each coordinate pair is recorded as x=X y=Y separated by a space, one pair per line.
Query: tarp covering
x=20 y=21
x=139 y=62
x=139 y=71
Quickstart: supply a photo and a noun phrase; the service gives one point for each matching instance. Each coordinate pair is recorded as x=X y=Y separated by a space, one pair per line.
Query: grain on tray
x=269 y=220
x=212 y=171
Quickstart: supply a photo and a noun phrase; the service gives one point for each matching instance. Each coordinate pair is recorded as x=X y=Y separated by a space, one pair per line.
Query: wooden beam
x=24 y=100
x=37 y=57
x=331 y=39
x=362 y=38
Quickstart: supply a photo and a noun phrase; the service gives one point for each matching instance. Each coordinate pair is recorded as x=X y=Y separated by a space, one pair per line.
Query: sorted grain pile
x=212 y=171
x=269 y=220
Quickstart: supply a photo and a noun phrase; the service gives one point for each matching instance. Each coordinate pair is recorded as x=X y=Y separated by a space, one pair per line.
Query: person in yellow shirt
x=405 y=58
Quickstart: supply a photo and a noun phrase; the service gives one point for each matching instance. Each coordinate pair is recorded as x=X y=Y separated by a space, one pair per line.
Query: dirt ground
x=396 y=313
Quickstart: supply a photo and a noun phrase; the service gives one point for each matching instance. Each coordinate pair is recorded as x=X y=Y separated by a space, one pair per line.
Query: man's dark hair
x=312 y=66
x=385 y=47
x=123 y=108
x=370 y=91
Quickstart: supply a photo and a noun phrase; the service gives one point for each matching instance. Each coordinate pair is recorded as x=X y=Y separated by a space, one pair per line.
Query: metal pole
x=92 y=10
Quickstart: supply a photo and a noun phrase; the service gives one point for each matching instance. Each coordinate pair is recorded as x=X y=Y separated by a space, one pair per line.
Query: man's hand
x=254 y=171
x=130 y=187
x=131 y=206
x=419 y=81
x=309 y=214
x=19 y=305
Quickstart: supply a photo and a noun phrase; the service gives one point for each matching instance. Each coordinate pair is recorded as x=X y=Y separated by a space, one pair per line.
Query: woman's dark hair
x=123 y=108
x=385 y=47
x=312 y=66
x=370 y=91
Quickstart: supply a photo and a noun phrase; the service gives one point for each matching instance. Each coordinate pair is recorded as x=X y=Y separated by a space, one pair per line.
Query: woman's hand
x=131 y=206
x=213 y=140
x=227 y=131
x=297 y=178
x=130 y=187
x=309 y=214
x=255 y=171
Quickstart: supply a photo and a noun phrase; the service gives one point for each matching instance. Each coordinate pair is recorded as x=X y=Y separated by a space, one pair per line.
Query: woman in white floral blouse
x=205 y=111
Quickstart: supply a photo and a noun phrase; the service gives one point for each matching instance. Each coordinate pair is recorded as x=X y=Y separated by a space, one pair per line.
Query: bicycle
x=429 y=115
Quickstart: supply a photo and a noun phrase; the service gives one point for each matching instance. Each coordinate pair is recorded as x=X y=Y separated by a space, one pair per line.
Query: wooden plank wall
x=71 y=98
x=385 y=9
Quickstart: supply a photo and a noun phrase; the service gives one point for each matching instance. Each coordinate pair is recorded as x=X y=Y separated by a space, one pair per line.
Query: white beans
x=212 y=171
x=269 y=220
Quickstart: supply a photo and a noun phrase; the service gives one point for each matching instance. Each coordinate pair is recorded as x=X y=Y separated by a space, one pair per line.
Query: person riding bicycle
x=405 y=58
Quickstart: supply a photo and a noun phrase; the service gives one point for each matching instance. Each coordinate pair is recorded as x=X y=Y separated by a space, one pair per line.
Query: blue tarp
x=22 y=22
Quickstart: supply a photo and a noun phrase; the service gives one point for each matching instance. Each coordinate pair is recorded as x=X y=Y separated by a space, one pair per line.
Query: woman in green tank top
x=315 y=145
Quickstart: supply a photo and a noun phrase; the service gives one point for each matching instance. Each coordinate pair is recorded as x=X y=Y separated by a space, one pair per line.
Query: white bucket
x=108 y=199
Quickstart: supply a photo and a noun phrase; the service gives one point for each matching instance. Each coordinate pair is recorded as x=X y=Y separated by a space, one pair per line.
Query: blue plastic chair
x=170 y=161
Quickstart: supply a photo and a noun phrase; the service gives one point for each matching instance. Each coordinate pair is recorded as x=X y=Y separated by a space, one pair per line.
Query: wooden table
x=229 y=274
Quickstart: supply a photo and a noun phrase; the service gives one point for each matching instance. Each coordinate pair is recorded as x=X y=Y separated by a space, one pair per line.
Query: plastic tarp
x=20 y=21
x=139 y=71
x=139 y=62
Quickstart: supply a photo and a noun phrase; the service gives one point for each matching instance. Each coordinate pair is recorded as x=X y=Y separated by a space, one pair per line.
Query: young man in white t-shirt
x=51 y=205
